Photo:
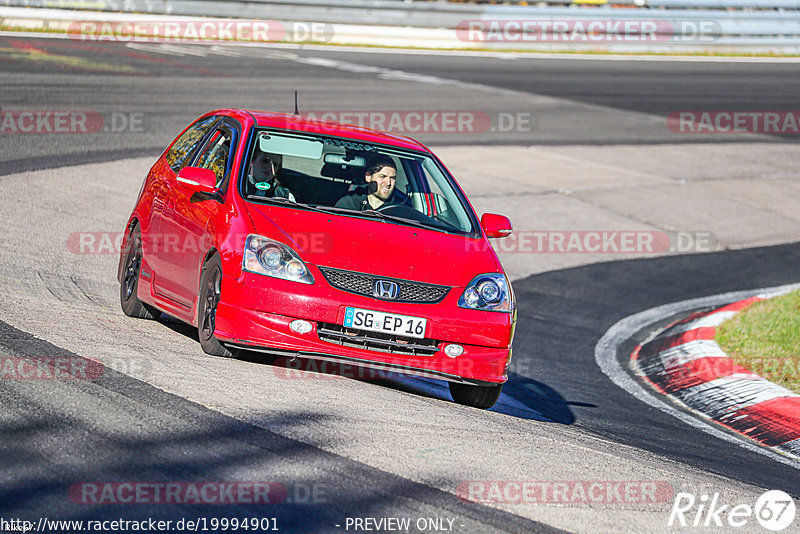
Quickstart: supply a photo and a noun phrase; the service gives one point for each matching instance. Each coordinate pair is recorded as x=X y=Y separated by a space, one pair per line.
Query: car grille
x=348 y=337
x=363 y=284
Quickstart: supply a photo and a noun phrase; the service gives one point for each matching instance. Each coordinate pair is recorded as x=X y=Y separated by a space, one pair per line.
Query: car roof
x=268 y=119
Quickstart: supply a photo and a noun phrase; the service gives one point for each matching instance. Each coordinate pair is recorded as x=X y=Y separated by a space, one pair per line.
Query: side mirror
x=495 y=225
x=198 y=180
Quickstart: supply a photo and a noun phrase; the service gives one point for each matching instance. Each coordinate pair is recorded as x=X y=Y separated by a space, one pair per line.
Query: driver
x=264 y=174
x=381 y=176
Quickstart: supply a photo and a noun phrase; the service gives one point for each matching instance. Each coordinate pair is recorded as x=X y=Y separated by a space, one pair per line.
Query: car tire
x=129 y=286
x=210 y=286
x=483 y=397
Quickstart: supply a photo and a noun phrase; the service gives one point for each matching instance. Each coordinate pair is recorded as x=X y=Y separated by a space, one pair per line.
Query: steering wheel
x=386 y=207
x=407 y=212
x=403 y=210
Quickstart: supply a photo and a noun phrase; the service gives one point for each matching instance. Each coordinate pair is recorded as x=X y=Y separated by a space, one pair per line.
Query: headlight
x=273 y=258
x=489 y=292
x=270 y=257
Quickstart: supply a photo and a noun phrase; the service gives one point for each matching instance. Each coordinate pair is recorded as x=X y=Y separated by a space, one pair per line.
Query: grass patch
x=765 y=338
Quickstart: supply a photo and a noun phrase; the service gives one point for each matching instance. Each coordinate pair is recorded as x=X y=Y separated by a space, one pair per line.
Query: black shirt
x=359 y=202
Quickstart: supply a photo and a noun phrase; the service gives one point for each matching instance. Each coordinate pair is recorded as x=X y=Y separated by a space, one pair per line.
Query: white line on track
x=605 y=354
x=163 y=48
x=384 y=73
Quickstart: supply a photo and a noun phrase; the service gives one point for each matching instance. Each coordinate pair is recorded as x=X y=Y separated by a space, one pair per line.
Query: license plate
x=388 y=323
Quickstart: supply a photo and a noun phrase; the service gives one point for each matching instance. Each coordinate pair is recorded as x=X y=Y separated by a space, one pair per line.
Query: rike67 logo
x=774 y=510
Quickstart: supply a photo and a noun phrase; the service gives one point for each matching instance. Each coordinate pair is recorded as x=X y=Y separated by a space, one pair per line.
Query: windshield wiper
x=334 y=209
x=395 y=218
x=282 y=200
x=273 y=199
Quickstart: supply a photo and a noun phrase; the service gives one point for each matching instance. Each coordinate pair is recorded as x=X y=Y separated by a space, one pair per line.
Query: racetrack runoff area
x=604 y=195
x=584 y=204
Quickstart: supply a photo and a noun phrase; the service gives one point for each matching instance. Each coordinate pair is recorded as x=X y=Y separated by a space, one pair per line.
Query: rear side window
x=178 y=156
x=217 y=154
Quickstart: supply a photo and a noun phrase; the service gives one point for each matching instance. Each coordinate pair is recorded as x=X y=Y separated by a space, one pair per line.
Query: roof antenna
x=296 y=112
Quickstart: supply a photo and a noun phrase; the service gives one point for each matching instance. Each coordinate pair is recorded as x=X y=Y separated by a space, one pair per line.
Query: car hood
x=376 y=247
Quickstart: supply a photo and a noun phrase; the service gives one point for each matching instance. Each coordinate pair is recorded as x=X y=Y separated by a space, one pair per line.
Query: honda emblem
x=384 y=289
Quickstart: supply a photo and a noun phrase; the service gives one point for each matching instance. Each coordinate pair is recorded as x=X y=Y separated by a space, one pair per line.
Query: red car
x=295 y=237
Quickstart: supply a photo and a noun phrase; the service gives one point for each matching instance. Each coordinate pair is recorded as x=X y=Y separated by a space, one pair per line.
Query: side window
x=184 y=147
x=413 y=174
x=443 y=204
x=215 y=155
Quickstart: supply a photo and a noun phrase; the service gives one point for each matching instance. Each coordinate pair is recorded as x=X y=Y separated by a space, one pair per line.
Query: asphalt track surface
x=165 y=86
x=48 y=426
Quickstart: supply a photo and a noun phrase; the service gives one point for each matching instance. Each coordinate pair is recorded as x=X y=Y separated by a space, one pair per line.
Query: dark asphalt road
x=657 y=87
x=160 y=88
x=65 y=435
x=566 y=312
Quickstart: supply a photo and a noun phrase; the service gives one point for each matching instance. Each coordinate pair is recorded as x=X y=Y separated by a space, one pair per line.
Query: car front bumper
x=255 y=313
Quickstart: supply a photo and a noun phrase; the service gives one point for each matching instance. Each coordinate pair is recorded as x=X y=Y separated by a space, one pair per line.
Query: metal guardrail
x=446 y=15
x=703 y=4
x=725 y=4
x=517 y=5
x=773 y=26
x=712 y=24
x=413 y=12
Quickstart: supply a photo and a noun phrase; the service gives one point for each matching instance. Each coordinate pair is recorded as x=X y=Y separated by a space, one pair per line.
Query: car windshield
x=353 y=178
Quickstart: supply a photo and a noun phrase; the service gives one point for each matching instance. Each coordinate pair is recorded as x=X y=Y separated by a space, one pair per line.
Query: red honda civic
x=294 y=237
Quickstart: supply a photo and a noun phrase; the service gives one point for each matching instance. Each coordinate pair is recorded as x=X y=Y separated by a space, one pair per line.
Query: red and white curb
x=685 y=363
x=616 y=365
